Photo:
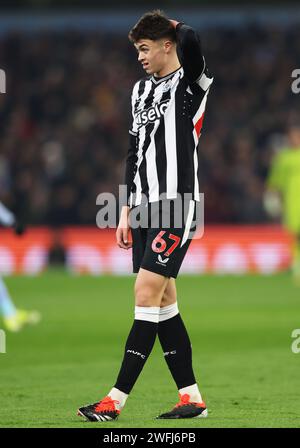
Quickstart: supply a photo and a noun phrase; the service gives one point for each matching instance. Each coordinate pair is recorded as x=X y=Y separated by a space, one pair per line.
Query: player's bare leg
x=149 y=288
x=176 y=346
x=170 y=294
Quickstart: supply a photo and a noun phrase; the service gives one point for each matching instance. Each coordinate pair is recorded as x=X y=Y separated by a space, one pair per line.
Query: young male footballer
x=161 y=172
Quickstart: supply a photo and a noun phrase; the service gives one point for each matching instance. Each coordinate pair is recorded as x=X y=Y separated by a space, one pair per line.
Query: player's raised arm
x=189 y=51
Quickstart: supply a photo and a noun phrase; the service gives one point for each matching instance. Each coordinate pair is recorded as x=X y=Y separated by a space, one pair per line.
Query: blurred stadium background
x=63 y=140
x=64 y=132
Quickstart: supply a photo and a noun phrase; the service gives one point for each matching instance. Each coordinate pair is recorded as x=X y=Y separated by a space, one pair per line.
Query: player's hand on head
x=174 y=22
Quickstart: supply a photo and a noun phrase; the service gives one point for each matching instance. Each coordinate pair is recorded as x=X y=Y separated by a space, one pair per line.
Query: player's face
x=152 y=54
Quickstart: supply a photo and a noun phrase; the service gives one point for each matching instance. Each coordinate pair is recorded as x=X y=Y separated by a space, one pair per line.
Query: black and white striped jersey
x=167 y=120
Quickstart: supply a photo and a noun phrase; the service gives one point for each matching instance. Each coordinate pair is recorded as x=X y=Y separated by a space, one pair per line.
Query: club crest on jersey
x=152 y=114
x=167 y=86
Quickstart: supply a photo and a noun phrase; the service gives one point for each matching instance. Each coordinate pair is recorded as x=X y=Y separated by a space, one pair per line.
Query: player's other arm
x=189 y=51
x=122 y=233
x=8 y=219
x=131 y=160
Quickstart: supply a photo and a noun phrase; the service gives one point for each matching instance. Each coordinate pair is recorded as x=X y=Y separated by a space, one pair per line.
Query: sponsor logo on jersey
x=152 y=114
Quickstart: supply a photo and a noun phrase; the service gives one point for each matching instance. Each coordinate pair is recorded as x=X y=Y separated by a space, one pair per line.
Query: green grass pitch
x=240 y=328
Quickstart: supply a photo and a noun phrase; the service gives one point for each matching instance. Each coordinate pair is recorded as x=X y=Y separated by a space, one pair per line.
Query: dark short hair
x=153 y=25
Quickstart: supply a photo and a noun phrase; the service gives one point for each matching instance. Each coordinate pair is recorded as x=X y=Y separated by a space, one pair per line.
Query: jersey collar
x=160 y=79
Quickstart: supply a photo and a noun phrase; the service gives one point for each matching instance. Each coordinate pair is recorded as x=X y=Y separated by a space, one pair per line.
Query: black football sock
x=138 y=346
x=177 y=348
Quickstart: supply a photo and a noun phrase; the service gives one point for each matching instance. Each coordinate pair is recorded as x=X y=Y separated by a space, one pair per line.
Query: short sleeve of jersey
x=205 y=79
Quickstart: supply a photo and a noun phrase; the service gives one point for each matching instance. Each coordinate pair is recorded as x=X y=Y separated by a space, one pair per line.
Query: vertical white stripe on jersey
x=137 y=178
x=142 y=135
x=134 y=96
x=197 y=116
x=188 y=222
x=152 y=178
x=196 y=183
x=170 y=143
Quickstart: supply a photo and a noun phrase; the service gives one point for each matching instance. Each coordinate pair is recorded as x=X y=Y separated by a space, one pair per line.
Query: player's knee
x=167 y=299
x=169 y=296
x=145 y=296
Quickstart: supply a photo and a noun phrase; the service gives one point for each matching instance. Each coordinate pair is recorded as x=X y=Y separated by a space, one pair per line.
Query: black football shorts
x=163 y=235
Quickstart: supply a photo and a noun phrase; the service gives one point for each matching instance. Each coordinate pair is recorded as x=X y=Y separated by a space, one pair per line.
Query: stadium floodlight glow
x=296 y=343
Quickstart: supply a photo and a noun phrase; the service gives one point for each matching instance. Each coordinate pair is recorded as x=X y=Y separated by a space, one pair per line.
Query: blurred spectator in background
x=14 y=319
x=57 y=253
x=64 y=120
x=283 y=193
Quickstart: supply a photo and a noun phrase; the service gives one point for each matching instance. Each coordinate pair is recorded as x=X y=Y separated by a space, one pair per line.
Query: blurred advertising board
x=260 y=249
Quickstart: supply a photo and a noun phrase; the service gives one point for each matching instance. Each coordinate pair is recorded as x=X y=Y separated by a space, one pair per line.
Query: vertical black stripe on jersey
x=133 y=186
x=185 y=141
x=148 y=129
x=160 y=147
x=135 y=106
x=141 y=90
